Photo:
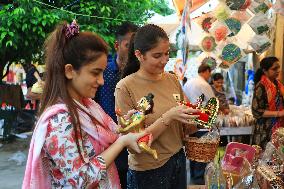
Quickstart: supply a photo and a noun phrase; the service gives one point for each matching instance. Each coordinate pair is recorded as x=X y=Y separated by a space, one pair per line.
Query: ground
x=11 y=174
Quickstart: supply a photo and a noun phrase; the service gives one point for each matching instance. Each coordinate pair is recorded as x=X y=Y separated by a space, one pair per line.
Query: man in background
x=193 y=89
x=112 y=73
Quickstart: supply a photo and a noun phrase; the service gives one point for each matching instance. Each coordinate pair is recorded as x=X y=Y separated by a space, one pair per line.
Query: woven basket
x=200 y=151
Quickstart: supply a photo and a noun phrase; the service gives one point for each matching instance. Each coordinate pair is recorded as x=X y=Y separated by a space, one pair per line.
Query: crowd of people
x=75 y=142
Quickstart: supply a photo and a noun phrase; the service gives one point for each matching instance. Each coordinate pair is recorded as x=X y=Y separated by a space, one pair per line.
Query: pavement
x=11 y=174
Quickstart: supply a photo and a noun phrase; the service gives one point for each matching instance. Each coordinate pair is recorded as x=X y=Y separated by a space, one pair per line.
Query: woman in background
x=267 y=103
x=218 y=89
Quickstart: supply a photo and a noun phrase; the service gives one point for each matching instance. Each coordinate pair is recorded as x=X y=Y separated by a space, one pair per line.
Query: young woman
x=218 y=89
x=144 y=73
x=267 y=103
x=74 y=145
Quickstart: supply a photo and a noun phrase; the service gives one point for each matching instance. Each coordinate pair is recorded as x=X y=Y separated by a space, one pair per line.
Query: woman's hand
x=130 y=140
x=180 y=113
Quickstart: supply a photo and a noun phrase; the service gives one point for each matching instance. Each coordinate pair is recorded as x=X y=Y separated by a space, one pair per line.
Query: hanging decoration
x=234 y=25
x=238 y=4
x=180 y=69
x=212 y=62
x=231 y=53
x=222 y=12
x=205 y=21
x=260 y=43
x=208 y=44
x=260 y=7
x=278 y=7
x=220 y=31
x=260 y=24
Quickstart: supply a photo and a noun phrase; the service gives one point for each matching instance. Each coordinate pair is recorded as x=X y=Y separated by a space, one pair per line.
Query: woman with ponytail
x=143 y=74
x=267 y=103
x=74 y=142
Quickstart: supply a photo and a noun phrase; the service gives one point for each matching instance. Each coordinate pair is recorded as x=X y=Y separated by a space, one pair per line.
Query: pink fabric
x=36 y=175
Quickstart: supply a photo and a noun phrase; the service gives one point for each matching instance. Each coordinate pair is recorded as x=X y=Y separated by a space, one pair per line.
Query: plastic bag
x=242 y=16
x=222 y=12
x=260 y=24
x=260 y=43
x=260 y=7
x=24 y=122
x=278 y=7
x=19 y=157
x=248 y=182
x=238 y=4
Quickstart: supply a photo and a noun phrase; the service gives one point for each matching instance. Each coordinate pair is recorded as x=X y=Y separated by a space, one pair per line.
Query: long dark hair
x=265 y=65
x=78 y=50
x=145 y=39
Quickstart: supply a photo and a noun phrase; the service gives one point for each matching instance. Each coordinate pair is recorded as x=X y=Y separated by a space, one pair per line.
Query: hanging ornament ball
x=234 y=25
x=231 y=53
x=238 y=4
x=210 y=61
x=208 y=43
x=207 y=23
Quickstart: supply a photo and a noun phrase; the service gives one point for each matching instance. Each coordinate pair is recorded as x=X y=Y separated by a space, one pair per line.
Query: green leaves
x=24 y=27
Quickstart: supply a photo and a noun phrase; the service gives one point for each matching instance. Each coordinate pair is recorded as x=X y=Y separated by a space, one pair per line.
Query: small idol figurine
x=136 y=123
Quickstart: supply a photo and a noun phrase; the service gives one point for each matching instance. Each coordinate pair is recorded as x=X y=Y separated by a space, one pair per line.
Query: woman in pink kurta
x=74 y=142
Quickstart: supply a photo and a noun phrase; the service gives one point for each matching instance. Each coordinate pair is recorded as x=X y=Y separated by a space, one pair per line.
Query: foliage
x=25 y=24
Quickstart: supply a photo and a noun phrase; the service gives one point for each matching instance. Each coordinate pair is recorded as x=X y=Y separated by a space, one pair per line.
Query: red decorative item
x=208 y=44
x=221 y=33
x=207 y=114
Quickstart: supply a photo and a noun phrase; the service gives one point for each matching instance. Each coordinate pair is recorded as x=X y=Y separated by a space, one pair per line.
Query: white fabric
x=193 y=88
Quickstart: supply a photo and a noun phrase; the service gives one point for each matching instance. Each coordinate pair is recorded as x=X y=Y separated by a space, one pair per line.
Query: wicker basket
x=200 y=151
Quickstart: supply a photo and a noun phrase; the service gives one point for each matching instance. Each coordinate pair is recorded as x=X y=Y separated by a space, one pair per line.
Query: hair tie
x=72 y=29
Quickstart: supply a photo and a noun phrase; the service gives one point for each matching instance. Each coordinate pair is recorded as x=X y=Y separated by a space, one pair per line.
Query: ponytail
x=132 y=64
x=257 y=76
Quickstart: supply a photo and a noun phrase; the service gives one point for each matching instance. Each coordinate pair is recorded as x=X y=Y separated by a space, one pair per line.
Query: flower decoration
x=207 y=23
x=231 y=53
x=221 y=33
x=234 y=25
x=72 y=29
x=212 y=62
x=208 y=43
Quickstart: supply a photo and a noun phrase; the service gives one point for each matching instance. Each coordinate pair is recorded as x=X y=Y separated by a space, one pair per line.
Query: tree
x=25 y=24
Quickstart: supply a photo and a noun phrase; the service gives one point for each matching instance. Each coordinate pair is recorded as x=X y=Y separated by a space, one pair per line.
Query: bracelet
x=162 y=120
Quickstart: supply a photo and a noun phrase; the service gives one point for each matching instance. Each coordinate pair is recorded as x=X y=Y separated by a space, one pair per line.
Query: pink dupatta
x=36 y=175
